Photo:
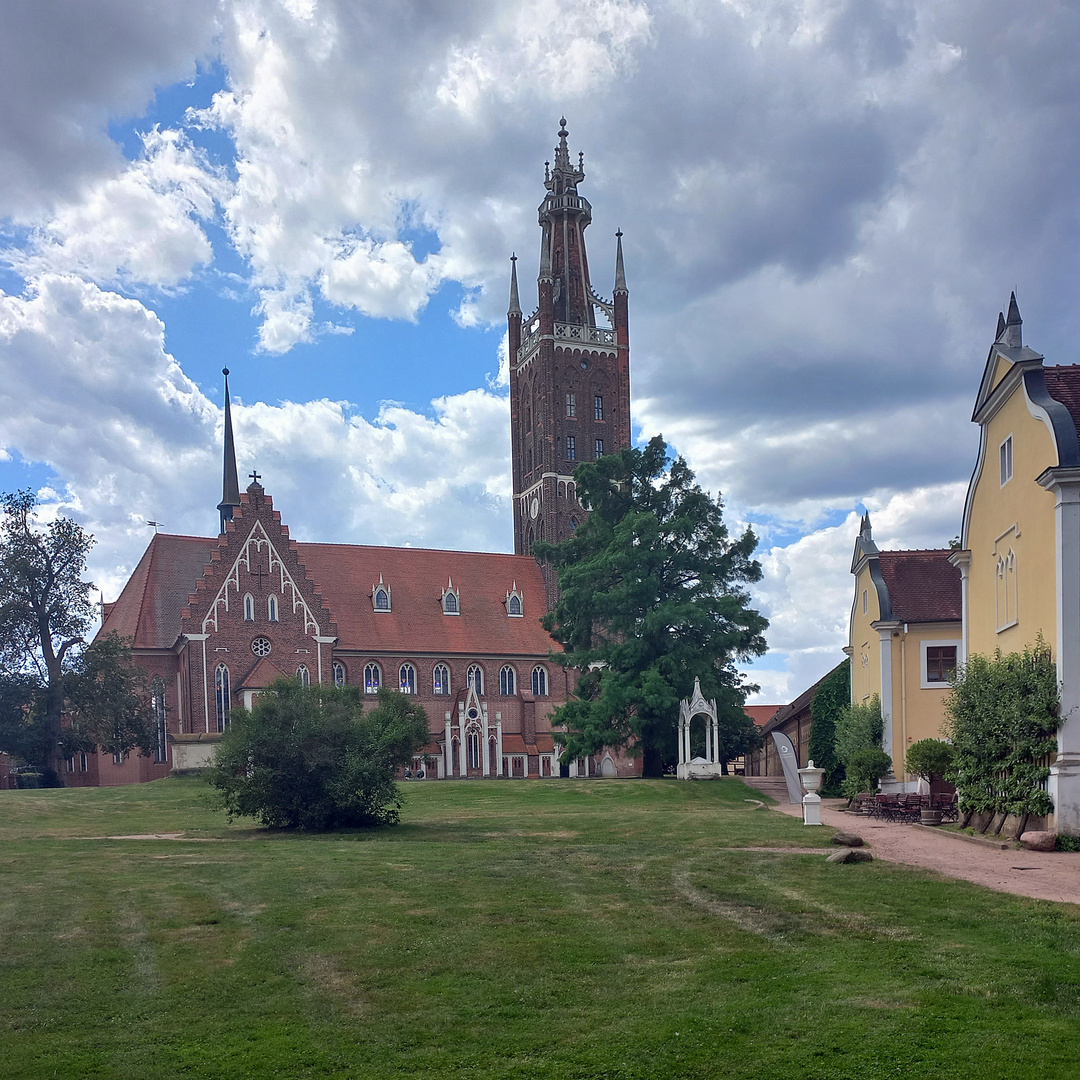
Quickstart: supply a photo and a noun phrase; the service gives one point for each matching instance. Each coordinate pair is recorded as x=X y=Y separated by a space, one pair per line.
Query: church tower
x=569 y=365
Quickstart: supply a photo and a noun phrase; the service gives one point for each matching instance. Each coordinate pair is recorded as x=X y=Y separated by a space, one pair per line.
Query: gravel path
x=1044 y=875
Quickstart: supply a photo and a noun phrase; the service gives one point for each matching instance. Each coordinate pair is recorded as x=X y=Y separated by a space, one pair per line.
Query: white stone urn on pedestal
x=811 y=805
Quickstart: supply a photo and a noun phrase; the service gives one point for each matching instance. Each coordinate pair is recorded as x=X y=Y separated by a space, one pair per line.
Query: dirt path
x=1044 y=875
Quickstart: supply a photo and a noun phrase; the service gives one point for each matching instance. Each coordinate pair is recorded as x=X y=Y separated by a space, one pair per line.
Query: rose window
x=261 y=646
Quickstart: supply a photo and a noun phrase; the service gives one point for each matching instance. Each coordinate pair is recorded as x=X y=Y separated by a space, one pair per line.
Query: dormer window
x=380 y=596
x=515 y=608
x=450 y=599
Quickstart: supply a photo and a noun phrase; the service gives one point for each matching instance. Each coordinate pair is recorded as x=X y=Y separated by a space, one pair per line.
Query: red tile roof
x=923 y=585
x=761 y=714
x=148 y=609
x=1063 y=383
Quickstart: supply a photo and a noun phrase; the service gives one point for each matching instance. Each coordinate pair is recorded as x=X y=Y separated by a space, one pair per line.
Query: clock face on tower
x=534 y=507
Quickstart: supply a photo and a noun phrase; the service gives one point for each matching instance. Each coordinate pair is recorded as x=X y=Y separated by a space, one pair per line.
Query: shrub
x=1001 y=716
x=830 y=699
x=864 y=767
x=929 y=758
x=309 y=758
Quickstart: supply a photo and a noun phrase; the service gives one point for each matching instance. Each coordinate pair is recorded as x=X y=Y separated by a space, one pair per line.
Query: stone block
x=847 y=839
x=1039 y=840
x=849 y=855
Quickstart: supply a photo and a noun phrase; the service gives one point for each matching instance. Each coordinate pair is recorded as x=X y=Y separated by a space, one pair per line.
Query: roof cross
x=254 y=476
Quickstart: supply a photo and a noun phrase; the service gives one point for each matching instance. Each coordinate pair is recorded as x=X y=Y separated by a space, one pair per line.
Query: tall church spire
x=569 y=366
x=230 y=485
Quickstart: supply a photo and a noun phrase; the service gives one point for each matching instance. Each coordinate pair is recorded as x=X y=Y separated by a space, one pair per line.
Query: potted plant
x=929 y=758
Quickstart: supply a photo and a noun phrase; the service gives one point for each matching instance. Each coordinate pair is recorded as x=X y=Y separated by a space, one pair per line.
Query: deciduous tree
x=652 y=595
x=45 y=615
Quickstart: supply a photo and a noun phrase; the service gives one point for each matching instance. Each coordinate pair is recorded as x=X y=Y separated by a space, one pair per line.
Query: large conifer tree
x=652 y=595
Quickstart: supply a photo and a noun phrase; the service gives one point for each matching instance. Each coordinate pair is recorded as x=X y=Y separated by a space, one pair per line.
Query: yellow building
x=1020 y=557
x=904 y=642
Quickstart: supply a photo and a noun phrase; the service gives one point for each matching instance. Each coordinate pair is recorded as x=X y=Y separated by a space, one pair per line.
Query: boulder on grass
x=848 y=839
x=1039 y=840
x=850 y=855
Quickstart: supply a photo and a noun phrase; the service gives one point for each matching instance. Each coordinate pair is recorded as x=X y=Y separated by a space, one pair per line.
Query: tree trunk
x=652 y=761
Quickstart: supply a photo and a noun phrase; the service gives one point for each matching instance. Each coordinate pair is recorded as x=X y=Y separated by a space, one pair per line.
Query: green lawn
x=537 y=929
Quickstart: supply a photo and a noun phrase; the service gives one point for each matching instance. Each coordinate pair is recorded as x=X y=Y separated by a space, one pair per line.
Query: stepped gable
x=254 y=520
x=416 y=578
x=1063 y=383
x=923 y=585
x=147 y=612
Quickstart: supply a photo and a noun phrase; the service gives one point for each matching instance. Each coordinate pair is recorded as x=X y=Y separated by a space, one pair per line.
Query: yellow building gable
x=1020 y=556
x=904 y=642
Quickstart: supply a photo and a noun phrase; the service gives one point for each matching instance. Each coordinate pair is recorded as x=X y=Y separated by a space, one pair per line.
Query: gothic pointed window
x=475 y=678
x=539 y=681
x=513 y=606
x=372 y=678
x=339 y=673
x=451 y=600
x=303 y=676
x=221 y=696
x=157 y=693
x=407 y=679
x=473 y=739
x=440 y=680
x=249 y=608
x=272 y=609
x=380 y=596
x=507 y=681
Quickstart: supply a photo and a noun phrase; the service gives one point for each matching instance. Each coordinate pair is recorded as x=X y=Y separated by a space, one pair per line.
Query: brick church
x=213 y=620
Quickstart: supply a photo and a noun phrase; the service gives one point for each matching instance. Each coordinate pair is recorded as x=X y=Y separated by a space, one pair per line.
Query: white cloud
x=140 y=226
x=87 y=387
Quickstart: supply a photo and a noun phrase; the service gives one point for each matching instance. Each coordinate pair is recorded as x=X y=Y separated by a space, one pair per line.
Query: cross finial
x=254 y=476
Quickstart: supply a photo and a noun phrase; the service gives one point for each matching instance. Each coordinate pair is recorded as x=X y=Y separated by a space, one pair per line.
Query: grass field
x=539 y=929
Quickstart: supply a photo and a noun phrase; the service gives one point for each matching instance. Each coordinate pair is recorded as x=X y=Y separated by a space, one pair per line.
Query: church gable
x=255 y=565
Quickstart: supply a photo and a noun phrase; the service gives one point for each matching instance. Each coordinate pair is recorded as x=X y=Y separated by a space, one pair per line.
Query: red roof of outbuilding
x=923 y=585
x=761 y=714
x=148 y=609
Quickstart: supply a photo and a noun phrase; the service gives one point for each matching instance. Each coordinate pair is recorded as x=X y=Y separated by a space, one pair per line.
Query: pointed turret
x=230 y=485
x=620 y=273
x=515 y=306
x=1000 y=326
x=1013 y=325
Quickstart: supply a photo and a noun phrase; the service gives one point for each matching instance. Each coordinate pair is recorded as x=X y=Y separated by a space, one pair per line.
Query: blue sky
x=825 y=203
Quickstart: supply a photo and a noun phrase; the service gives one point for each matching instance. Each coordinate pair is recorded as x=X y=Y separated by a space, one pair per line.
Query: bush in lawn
x=859 y=731
x=928 y=758
x=310 y=758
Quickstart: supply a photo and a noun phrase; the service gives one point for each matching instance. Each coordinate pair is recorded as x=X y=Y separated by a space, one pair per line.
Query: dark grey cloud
x=67 y=69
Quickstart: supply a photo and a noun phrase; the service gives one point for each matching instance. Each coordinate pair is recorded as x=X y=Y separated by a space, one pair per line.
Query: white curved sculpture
x=699 y=767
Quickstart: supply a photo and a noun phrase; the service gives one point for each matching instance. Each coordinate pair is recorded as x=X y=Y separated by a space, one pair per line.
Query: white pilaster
x=885 y=633
x=499 y=759
x=448 y=764
x=962 y=561
x=1064 y=785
